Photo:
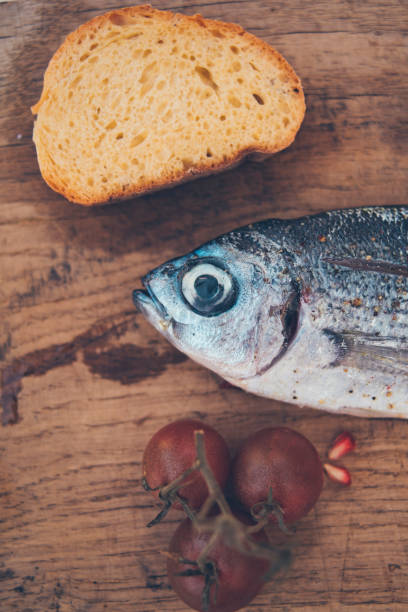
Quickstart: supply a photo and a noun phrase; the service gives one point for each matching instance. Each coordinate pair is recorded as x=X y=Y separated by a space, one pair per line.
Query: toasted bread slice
x=139 y=99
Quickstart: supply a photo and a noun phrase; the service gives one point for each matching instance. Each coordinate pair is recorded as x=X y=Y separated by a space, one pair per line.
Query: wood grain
x=86 y=381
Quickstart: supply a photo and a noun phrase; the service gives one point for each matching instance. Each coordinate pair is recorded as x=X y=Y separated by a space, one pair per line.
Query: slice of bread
x=140 y=99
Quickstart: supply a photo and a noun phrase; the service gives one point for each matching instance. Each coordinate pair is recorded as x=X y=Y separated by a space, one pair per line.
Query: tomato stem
x=212 y=484
x=160 y=516
x=172 y=487
x=168 y=495
x=266 y=508
x=147 y=487
x=208 y=570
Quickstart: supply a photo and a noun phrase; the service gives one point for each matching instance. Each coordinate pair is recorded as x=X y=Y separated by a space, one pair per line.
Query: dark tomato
x=172 y=451
x=240 y=576
x=284 y=460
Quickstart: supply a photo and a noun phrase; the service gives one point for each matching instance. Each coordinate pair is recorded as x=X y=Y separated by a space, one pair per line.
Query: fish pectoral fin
x=369 y=351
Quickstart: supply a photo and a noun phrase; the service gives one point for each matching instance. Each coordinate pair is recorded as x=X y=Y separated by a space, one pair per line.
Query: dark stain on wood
x=5 y=347
x=57 y=275
x=153 y=581
x=142 y=420
x=41 y=361
x=129 y=363
x=6 y=574
x=157 y=582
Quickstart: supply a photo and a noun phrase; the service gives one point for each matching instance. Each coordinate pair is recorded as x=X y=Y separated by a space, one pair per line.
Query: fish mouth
x=150 y=306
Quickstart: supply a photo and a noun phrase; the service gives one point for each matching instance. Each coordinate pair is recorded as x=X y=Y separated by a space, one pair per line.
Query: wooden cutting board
x=86 y=381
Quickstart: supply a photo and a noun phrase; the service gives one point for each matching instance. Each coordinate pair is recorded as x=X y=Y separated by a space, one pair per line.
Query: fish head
x=230 y=305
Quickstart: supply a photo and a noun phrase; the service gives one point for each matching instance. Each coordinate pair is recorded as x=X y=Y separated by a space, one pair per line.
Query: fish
x=311 y=311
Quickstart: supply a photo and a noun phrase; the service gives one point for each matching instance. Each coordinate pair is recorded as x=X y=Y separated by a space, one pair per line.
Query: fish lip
x=145 y=298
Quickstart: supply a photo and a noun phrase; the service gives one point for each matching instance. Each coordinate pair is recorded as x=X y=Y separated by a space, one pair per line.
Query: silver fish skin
x=311 y=311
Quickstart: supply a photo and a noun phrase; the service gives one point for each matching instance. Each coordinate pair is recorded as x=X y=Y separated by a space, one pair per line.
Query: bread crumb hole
x=76 y=81
x=90 y=181
x=233 y=100
x=84 y=57
x=160 y=41
x=105 y=81
x=209 y=154
x=111 y=125
x=217 y=34
x=146 y=52
x=133 y=35
x=187 y=163
x=98 y=142
x=119 y=136
x=240 y=81
x=118 y=19
x=92 y=47
x=205 y=76
x=285 y=121
x=234 y=49
x=253 y=67
x=258 y=99
x=146 y=74
x=222 y=118
x=137 y=140
x=104 y=179
x=284 y=107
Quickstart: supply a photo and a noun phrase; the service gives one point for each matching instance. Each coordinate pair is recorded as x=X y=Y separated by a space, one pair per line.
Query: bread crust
x=172 y=178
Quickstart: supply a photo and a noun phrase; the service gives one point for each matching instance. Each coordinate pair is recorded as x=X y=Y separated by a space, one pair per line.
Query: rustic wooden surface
x=86 y=381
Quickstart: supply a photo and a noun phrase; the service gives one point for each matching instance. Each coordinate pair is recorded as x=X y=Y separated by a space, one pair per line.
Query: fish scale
x=316 y=312
x=355 y=235
x=354 y=294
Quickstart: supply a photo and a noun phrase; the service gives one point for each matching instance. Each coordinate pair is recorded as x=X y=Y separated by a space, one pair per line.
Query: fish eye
x=208 y=288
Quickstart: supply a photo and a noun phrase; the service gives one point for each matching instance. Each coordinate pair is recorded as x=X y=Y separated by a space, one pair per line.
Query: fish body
x=312 y=311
